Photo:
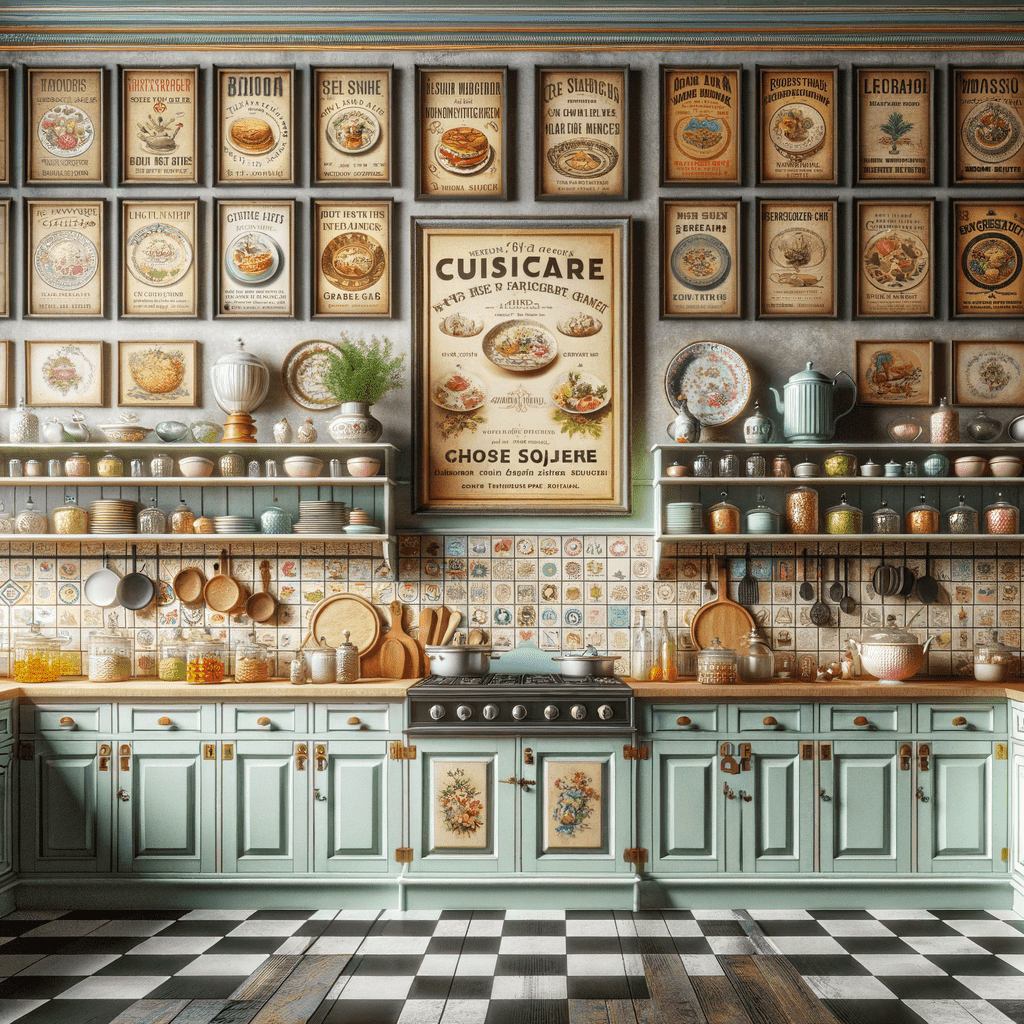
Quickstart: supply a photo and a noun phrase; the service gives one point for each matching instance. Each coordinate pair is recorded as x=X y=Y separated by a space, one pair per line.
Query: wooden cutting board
x=722 y=617
x=397 y=632
x=392 y=659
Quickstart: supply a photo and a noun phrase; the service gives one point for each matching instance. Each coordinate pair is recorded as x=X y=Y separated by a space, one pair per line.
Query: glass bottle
x=642 y=658
x=667 y=649
x=945 y=424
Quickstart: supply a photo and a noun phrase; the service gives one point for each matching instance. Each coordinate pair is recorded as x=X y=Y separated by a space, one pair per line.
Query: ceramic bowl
x=195 y=465
x=171 y=430
x=125 y=433
x=1015 y=428
x=1005 y=465
x=363 y=465
x=303 y=465
x=970 y=465
x=805 y=469
x=841 y=464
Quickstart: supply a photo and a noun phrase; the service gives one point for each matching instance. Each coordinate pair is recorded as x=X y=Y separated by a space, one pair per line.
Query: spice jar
x=151 y=519
x=252 y=660
x=172 y=666
x=1001 y=516
x=33 y=467
x=844 y=518
x=23 y=425
x=703 y=466
x=323 y=663
x=802 y=510
x=962 y=518
x=781 y=466
x=161 y=465
x=29 y=520
x=885 y=520
x=347 y=669
x=723 y=517
x=761 y=518
x=182 y=519
x=945 y=424
x=37 y=658
x=923 y=518
x=755 y=662
x=110 y=656
x=77 y=464
x=992 y=661
x=205 y=659
x=69 y=518
x=110 y=465
x=716 y=665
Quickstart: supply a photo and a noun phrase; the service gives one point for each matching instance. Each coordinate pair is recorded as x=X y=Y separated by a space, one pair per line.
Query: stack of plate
x=111 y=516
x=360 y=522
x=321 y=517
x=235 y=524
x=684 y=517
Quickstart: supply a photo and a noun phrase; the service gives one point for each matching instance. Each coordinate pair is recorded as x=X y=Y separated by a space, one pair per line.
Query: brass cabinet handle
x=770 y=720
x=353 y=721
x=317 y=796
x=682 y=720
x=959 y=720
x=67 y=721
x=264 y=721
x=163 y=721
x=860 y=720
x=824 y=796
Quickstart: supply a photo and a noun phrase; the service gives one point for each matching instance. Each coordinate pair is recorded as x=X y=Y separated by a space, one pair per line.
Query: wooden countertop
x=79 y=688
x=846 y=690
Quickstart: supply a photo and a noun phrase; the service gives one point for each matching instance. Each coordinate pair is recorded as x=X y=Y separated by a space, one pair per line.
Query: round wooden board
x=339 y=612
x=729 y=621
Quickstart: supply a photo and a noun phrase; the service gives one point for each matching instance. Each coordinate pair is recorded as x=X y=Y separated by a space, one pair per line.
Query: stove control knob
x=464 y=712
x=604 y=712
x=519 y=712
x=578 y=711
x=490 y=712
x=437 y=712
x=551 y=712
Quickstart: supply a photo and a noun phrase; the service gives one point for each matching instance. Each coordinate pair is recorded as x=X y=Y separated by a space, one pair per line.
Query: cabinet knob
x=770 y=720
x=163 y=721
x=67 y=721
x=860 y=720
x=683 y=720
x=959 y=720
x=264 y=721
x=353 y=721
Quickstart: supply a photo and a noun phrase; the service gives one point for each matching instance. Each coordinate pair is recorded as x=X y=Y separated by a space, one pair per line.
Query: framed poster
x=6 y=348
x=255 y=258
x=64 y=257
x=893 y=372
x=64 y=373
x=352 y=108
x=583 y=129
x=5 y=257
x=160 y=111
x=461 y=133
x=158 y=262
x=894 y=259
x=895 y=135
x=796 y=258
x=988 y=126
x=522 y=364
x=987 y=373
x=352 y=253
x=797 y=121
x=5 y=126
x=157 y=374
x=64 y=141
x=987 y=260
x=700 y=126
x=255 y=125
x=700 y=258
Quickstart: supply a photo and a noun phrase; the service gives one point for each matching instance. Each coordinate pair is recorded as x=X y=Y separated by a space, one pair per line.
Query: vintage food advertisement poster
x=353 y=119
x=64 y=126
x=700 y=266
x=64 y=373
x=159 y=108
x=64 y=273
x=522 y=368
x=895 y=372
x=156 y=373
x=798 y=139
x=797 y=258
x=700 y=125
x=894 y=125
x=987 y=279
x=461 y=137
x=988 y=125
x=353 y=258
x=255 y=258
x=894 y=248
x=582 y=132
x=158 y=270
x=255 y=120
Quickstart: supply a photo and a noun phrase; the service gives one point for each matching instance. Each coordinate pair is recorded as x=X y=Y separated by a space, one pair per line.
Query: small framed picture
x=797 y=258
x=5 y=257
x=987 y=372
x=255 y=258
x=895 y=372
x=157 y=374
x=894 y=258
x=65 y=143
x=6 y=347
x=895 y=135
x=582 y=131
x=255 y=126
x=160 y=112
x=352 y=250
x=352 y=113
x=68 y=373
x=158 y=264
x=987 y=260
x=988 y=126
x=797 y=122
x=5 y=126
x=700 y=125
x=64 y=257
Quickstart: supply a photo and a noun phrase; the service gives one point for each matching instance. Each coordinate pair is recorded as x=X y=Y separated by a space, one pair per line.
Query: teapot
x=807 y=412
x=685 y=428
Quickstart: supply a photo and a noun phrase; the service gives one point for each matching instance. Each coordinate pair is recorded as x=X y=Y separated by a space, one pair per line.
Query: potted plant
x=360 y=373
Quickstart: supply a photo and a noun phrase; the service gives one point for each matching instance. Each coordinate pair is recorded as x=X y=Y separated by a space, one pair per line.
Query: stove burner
x=539 y=679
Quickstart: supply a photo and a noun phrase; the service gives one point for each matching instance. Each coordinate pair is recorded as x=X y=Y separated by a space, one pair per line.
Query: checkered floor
x=482 y=967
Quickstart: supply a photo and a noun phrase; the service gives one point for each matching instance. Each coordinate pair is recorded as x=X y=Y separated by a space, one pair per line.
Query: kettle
x=807 y=414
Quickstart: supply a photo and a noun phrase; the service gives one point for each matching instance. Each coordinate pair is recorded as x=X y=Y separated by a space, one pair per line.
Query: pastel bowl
x=303 y=465
x=363 y=465
x=970 y=465
x=195 y=465
x=171 y=430
x=1005 y=465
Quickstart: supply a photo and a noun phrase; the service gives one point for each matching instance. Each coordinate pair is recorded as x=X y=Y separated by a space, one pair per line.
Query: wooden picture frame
x=160 y=113
x=5 y=257
x=157 y=374
x=255 y=116
x=989 y=373
x=797 y=125
x=6 y=349
x=159 y=272
x=5 y=126
x=893 y=372
x=65 y=138
x=353 y=256
x=64 y=257
x=64 y=373
x=895 y=120
x=353 y=135
x=894 y=258
x=700 y=258
x=582 y=125
x=987 y=258
x=255 y=255
x=987 y=145
x=797 y=259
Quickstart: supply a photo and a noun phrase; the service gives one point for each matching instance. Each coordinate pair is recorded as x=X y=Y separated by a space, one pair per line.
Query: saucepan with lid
x=460 y=659
x=589 y=663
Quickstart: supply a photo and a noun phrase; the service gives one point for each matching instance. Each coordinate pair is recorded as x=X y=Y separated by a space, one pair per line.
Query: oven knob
x=437 y=712
x=490 y=712
x=519 y=712
x=464 y=712
x=578 y=711
x=551 y=712
x=604 y=712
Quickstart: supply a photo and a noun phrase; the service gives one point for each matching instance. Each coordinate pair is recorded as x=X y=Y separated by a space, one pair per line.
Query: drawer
x=701 y=718
x=72 y=720
x=771 y=719
x=854 y=719
x=356 y=718
x=171 y=719
x=950 y=719
x=257 y=719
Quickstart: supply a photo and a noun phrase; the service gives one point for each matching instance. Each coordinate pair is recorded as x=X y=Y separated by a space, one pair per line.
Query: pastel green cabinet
x=7 y=841
x=1017 y=811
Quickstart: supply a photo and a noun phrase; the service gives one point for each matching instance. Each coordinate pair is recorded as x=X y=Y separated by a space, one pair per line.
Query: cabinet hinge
x=1004 y=854
x=403 y=854
x=634 y=753
x=26 y=750
x=1000 y=751
x=806 y=751
x=103 y=755
x=635 y=855
x=399 y=752
x=125 y=755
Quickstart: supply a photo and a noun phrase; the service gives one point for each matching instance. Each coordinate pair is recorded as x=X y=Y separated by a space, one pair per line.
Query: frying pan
x=136 y=589
x=927 y=585
x=101 y=586
x=222 y=593
x=261 y=605
x=188 y=584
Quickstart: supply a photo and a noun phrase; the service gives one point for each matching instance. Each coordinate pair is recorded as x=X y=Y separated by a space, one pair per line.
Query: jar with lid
x=182 y=518
x=70 y=518
x=172 y=666
x=802 y=510
x=274 y=519
x=15 y=468
x=945 y=424
x=252 y=660
x=686 y=657
x=161 y=464
x=347 y=670
x=30 y=520
x=54 y=467
x=205 y=659
x=840 y=464
x=37 y=657
x=33 y=467
x=923 y=518
x=204 y=524
x=885 y=519
x=723 y=517
x=962 y=518
x=23 y=425
x=893 y=468
x=983 y=427
x=703 y=466
x=232 y=464
x=110 y=656
x=910 y=468
x=110 y=465
x=844 y=518
x=6 y=520
x=716 y=665
x=297 y=669
x=757 y=465
x=77 y=464
x=761 y=518
x=728 y=464
x=151 y=519
x=323 y=663
x=781 y=466
x=993 y=661
x=1001 y=516
x=755 y=662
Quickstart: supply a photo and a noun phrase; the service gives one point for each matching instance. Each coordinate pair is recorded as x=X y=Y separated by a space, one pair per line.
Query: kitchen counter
x=847 y=689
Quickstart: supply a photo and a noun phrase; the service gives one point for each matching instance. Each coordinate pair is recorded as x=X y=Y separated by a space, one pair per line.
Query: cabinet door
x=266 y=800
x=1017 y=809
x=6 y=808
x=865 y=807
x=166 y=809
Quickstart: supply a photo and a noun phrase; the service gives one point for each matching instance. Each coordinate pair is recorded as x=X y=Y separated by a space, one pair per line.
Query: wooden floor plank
x=718 y=1000
x=151 y=1011
x=237 y=1012
x=200 y=1011
x=621 y=1011
x=267 y=978
x=799 y=1003
x=588 y=1011
x=306 y=986
x=753 y=989
x=671 y=991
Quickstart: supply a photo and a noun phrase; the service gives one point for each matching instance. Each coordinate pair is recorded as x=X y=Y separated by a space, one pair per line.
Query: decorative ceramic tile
x=549 y=546
x=502 y=569
x=526 y=615
x=454 y=592
x=502 y=616
x=526 y=547
x=479 y=569
x=643 y=593
x=572 y=593
x=455 y=546
x=525 y=569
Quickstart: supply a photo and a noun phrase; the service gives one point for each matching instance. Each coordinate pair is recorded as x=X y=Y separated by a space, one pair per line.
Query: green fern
x=363 y=371
x=896 y=127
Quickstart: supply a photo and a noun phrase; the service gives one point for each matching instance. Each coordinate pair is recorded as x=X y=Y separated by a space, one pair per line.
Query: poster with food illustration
x=700 y=116
x=895 y=140
x=460 y=140
x=353 y=126
x=582 y=133
x=156 y=374
x=5 y=126
x=64 y=126
x=255 y=258
x=68 y=373
x=895 y=372
x=988 y=373
x=64 y=258
x=798 y=111
x=988 y=126
x=352 y=254
x=255 y=121
x=160 y=109
x=700 y=264
x=796 y=258
x=987 y=265
x=158 y=261
x=522 y=370
x=894 y=251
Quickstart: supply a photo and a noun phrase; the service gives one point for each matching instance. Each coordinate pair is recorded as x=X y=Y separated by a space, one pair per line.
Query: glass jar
x=716 y=665
x=173 y=663
x=205 y=659
x=110 y=657
x=1001 y=516
x=274 y=519
x=801 y=513
x=69 y=518
x=33 y=467
x=347 y=670
x=923 y=518
x=253 y=468
x=182 y=519
x=37 y=658
x=30 y=520
x=23 y=425
x=781 y=466
x=151 y=519
x=15 y=468
x=983 y=427
x=844 y=518
x=723 y=517
x=840 y=464
x=993 y=661
x=936 y=465
x=703 y=466
x=962 y=518
x=761 y=518
x=161 y=465
x=110 y=465
x=728 y=464
x=907 y=428
x=6 y=520
x=231 y=464
x=323 y=663
x=910 y=468
x=885 y=520
x=757 y=465
x=252 y=660
x=77 y=464
x=54 y=467
x=755 y=662
x=945 y=424
x=686 y=657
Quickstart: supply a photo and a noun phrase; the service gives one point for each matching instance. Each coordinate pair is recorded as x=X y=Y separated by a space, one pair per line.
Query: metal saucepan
x=460 y=660
x=222 y=592
x=136 y=589
x=578 y=665
x=101 y=586
x=261 y=605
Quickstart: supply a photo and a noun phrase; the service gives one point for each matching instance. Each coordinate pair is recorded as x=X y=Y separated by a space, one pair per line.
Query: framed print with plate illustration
x=255 y=258
x=160 y=111
x=255 y=126
x=5 y=257
x=64 y=250
x=895 y=134
x=987 y=259
x=521 y=364
x=700 y=258
x=987 y=373
x=581 y=123
x=158 y=262
x=988 y=126
x=461 y=133
x=700 y=126
x=352 y=253
x=797 y=121
x=796 y=258
x=156 y=374
x=352 y=108
x=895 y=267
x=65 y=142
x=68 y=373
x=5 y=126
x=895 y=372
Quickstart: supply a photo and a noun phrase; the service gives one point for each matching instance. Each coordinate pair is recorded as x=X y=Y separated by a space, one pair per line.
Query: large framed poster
x=988 y=126
x=582 y=133
x=255 y=257
x=255 y=126
x=522 y=365
x=5 y=126
x=5 y=257
x=65 y=141
x=987 y=259
x=895 y=137
x=700 y=126
x=894 y=258
x=798 y=109
x=352 y=108
x=796 y=258
x=461 y=133
x=158 y=261
x=353 y=258
x=64 y=258
x=160 y=111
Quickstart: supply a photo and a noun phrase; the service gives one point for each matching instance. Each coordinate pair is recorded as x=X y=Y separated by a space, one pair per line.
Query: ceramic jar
x=231 y=464
x=840 y=464
x=355 y=423
x=274 y=519
x=23 y=425
x=762 y=519
x=936 y=465
x=757 y=428
x=347 y=669
x=30 y=520
x=110 y=465
x=77 y=464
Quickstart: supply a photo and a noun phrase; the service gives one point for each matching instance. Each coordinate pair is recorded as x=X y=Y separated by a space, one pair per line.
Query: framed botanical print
x=65 y=142
x=5 y=126
x=64 y=258
x=5 y=257
x=159 y=276
x=352 y=114
x=891 y=372
x=353 y=257
x=988 y=126
x=894 y=258
x=700 y=125
x=66 y=373
x=255 y=125
x=987 y=259
x=255 y=258
x=987 y=373
x=895 y=133
x=700 y=258
x=797 y=258
x=798 y=109
x=160 y=113
x=157 y=374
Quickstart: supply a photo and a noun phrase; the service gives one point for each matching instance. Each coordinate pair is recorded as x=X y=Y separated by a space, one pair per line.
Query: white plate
x=355 y=124
x=529 y=345
x=258 y=244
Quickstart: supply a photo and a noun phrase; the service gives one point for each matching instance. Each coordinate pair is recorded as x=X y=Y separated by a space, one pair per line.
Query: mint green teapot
x=807 y=409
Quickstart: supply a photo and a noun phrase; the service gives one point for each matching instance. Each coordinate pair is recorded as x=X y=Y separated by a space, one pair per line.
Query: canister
x=337 y=467
x=347 y=669
x=252 y=660
x=781 y=466
x=203 y=524
x=936 y=465
x=37 y=657
x=31 y=520
x=110 y=465
x=138 y=468
x=993 y=661
x=893 y=468
x=716 y=665
x=762 y=518
x=910 y=468
x=728 y=464
x=755 y=662
x=723 y=517
x=844 y=518
x=923 y=518
x=885 y=520
x=254 y=467
x=33 y=467
x=840 y=464
x=161 y=465
x=23 y=425
x=69 y=517
x=205 y=659
x=173 y=658
x=756 y=465
x=962 y=518
x=945 y=424
x=54 y=468
x=15 y=468
x=323 y=663
x=802 y=510
x=703 y=466
x=270 y=467
x=686 y=657
x=1001 y=516
x=110 y=656
x=274 y=519
x=77 y=464
x=182 y=518
x=231 y=464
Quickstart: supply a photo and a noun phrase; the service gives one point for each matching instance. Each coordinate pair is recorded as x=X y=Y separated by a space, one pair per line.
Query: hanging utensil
x=223 y=593
x=101 y=586
x=882 y=577
x=820 y=614
x=907 y=580
x=836 y=590
x=708 y=586
x=261 y=605
x=847 y=604
x=746 y=594
x=136 y=589
x=927 y=585
x=806 y=590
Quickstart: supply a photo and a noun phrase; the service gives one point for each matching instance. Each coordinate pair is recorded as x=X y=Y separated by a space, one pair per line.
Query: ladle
x=836 y=590
x=847 y=604
x=806 y=590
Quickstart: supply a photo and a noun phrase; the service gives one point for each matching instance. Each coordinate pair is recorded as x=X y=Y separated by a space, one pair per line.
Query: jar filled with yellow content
x=69 y=518
x=182 y=519
x=173 y=659
x=844 y=518
x=110 y=465
x=205 y=659
x=37 y=658
x=252 y=661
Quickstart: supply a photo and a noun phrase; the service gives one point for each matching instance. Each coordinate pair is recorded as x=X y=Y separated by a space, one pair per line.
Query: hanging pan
x=101 y=586
x=135 y=589
x=261 y=605
x=222 y=593
x=188 y=584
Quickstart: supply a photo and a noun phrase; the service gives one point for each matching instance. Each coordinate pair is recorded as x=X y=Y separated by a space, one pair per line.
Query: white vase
x=355 y=424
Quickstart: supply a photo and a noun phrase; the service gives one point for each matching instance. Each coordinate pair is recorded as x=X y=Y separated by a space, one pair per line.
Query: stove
x=517 y=704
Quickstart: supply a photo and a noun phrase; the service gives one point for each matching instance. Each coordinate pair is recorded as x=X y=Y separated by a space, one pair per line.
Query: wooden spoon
x=443 y=616
x=453 y=622
x=428 y=624
x=475 y=638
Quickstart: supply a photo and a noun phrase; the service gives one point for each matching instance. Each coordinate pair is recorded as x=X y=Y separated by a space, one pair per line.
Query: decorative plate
x=579 y=392
x=797 y=249
x=581 y=325
x=992 y=132
x=466 y=171
x=458 y=325
x=712 y=377
x=352 y=261
x=303 y=373
x=252 y=258
x=65 y=131
x=583 y=158
x=353 y=130
x=520 y=345
x=701 y=262
x=66 y=260
x=895 y=261
x=158 y=255
x=457 y=392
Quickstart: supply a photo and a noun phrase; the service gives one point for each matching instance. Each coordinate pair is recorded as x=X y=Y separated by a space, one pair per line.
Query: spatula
x=746 y=593
x=820 y=615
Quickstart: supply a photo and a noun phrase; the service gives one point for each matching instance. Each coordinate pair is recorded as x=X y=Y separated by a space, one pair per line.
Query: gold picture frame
x=987 y=258
x=160 y=112
x=65 y=140
x=893 y=372
x=65 y=257
x=255 y=116
x=352 y=250
x=255 y=258
x=988 y=373
x=159 y=272
x=158 y=374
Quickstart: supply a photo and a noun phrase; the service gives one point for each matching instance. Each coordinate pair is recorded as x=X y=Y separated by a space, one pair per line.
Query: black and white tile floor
x=481 y=967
